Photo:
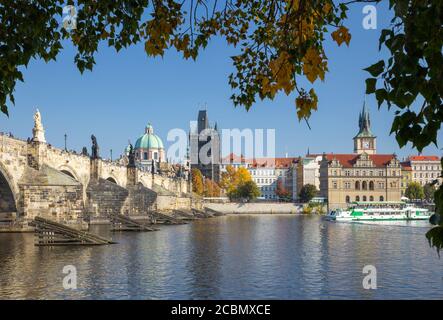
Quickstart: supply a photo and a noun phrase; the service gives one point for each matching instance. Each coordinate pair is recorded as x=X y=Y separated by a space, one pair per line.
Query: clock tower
x=364 y=141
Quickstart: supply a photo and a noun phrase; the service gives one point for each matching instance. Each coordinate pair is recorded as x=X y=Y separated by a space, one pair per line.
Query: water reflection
x=234 y=257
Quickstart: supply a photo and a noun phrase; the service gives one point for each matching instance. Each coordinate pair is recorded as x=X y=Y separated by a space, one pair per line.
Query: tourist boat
x=379 y=211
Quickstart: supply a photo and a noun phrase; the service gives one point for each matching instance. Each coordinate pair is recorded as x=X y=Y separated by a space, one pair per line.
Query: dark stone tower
x=205 y=148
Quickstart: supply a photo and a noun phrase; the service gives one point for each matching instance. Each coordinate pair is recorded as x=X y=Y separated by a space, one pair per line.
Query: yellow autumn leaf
x=314 y=65
x=341 y=35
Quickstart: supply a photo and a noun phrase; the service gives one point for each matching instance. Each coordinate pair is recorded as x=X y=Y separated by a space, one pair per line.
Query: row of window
x=262 y=172
x=364 y=198
x=427 y=167
x=424 y=182
x=264 y=180
x=144 y=155
x=370 y=173
x=426 y=175
x=364 y=185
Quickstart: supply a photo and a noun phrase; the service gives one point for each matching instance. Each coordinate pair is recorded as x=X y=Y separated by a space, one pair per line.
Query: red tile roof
x=260 y=162
x=233 y=158
x=272 y=162
x=348 y=160
x=424 y=158
x=406 y=165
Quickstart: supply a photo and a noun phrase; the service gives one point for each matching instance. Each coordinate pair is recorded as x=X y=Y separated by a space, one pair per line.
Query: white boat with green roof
x=379 y=211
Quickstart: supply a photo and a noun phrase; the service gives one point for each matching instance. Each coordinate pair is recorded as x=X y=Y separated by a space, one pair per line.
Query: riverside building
x=362 y=175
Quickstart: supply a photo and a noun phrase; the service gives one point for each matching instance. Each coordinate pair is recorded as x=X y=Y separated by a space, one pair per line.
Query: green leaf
x=376 y=69
x=435 y=238
x=370 y=85
x=380 y=95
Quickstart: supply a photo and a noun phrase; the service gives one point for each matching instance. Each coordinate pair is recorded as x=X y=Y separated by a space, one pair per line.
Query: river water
x=232 y=257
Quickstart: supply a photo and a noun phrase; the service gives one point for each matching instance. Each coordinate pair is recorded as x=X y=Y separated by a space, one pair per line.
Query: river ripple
x=232 y=257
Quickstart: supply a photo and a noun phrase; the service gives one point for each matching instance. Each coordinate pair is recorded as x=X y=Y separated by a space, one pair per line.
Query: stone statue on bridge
x=95 y=148
x=153 y=167
x=131 y=156
x=85 y=151
x=38 y=132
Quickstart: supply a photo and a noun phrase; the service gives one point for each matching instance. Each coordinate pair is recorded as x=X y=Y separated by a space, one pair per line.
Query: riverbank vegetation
x=314 y=208
x=414 y=191
x=238 y=184
x=307 y=193
x=283 y=193
x=204 y=186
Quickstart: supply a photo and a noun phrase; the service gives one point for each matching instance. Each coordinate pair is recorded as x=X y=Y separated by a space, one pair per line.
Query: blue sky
x=126 y=90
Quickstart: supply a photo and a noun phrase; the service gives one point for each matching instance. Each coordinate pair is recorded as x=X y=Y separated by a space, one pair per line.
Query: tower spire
x=364 y=141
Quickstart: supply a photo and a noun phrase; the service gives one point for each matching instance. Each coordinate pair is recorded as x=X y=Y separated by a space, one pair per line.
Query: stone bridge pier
x=37 y=179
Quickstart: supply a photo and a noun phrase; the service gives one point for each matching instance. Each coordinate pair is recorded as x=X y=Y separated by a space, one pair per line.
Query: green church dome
x=149 y=140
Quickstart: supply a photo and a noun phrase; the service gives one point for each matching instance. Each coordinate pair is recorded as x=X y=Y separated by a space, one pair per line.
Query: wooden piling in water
x=51 y=233
x=214 y=212
x=184 y=215
x=121 y=222
x=167 y=219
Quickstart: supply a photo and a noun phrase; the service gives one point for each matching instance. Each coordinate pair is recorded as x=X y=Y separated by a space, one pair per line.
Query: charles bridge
x=38 y=180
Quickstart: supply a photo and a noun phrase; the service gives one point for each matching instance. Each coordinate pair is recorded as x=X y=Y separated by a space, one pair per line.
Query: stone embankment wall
x=261 y=207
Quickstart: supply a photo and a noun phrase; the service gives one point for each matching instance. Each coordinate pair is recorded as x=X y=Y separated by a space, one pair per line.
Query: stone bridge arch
x=111 y=177
x=68 y=170
x=8 y=192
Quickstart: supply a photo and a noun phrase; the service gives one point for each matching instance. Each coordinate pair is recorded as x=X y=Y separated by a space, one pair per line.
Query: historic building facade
x=363 y=175
x=308 y=171
x=425 y=169
x=266 y=173
x=406 y=176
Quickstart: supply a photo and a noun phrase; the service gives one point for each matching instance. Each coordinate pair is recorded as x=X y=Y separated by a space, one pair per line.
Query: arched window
x=364 y=198
x=348 y=199
x=364 y=185
x=381 y=198
x=371 y=185
x=357 y=185
x=371 y=198
x=357 y=198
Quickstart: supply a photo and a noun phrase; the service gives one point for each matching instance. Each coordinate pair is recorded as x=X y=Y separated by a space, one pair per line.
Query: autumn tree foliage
x=211 y=188
x=197 y=181
x=281 y=191
x=277 y=40
x=238 y=183
x=233 y=177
